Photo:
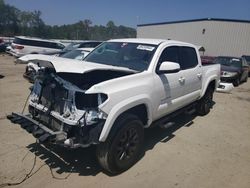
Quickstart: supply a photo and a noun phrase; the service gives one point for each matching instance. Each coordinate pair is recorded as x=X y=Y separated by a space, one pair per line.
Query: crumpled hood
x=31 y=57
x=71 y=65
x=75 y=66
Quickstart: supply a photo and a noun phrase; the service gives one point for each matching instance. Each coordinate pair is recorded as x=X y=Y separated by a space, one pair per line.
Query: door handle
x=199 y=75
x=181 y=80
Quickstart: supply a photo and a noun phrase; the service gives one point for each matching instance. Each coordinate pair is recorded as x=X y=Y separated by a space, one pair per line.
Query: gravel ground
x=210 y=151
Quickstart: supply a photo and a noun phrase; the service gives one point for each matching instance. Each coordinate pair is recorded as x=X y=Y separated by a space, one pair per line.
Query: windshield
x=228 y=61
x=71 y=46
x=247 y=59
x=129 y=55
x=75 y=54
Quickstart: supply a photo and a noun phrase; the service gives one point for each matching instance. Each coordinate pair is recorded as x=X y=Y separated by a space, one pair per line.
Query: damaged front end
x=61 y=112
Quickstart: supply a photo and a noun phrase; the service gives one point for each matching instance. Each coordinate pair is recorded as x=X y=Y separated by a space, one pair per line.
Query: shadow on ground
x=83 y=161
x=157 y=134
x=63 y=160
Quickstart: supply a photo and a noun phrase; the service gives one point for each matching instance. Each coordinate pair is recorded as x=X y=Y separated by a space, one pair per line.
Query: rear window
x=38 y=43
x=188 y=58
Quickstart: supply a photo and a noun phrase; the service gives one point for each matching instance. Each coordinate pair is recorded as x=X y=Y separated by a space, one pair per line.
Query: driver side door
x=169 y=87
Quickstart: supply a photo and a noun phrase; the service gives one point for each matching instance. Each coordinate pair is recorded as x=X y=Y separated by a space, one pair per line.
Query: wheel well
x=212 y=85
x=140 y=111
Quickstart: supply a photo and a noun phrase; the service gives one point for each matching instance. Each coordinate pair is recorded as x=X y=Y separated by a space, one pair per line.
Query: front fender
x=120 y=108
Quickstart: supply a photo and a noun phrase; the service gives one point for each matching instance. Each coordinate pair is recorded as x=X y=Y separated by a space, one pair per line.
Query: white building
x=218 y=36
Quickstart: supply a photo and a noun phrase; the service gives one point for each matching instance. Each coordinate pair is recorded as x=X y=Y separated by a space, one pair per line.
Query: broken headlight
x=90 y=103
x=92 y=117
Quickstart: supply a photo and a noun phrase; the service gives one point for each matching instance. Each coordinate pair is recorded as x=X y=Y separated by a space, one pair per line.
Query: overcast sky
x=133 y=12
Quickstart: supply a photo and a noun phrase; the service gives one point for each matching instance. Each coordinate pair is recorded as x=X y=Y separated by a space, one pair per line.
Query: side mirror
x=168 y=67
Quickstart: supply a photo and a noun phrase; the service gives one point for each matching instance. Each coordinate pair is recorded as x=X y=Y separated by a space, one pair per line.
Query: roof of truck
x=148 y=41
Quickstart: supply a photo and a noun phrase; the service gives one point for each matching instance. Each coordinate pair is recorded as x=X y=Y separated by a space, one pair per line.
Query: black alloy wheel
x=123 y=147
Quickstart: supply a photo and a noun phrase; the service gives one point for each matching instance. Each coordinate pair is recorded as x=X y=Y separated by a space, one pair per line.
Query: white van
x=25 y=45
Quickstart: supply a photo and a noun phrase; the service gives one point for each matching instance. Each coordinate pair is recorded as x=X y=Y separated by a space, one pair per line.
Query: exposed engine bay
x=59 y=101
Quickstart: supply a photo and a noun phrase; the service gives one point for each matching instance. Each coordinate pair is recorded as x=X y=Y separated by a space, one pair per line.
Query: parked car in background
x=206 y=60
x=3 y=45
x=246 y=58
x=26 y=45
x=68 y=48
x=89 y=44
x=79 y=53
x=233 y=69
x=76 y=45
x=33 y=61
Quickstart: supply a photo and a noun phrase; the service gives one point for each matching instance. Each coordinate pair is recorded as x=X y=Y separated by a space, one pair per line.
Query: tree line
x=15 y=22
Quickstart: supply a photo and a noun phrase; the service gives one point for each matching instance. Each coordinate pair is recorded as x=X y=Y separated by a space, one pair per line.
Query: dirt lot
x=210 y=151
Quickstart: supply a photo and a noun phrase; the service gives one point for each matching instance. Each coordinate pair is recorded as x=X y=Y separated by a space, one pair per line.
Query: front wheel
x=236 y=82
x=123 y=147
x=205 y=103
x=246 y=78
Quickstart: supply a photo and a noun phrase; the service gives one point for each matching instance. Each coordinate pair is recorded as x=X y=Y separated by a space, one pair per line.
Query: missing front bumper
x=69 y=136
x=39 y=131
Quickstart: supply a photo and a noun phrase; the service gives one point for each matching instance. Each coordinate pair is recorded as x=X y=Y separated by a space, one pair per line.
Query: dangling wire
x=25 y=104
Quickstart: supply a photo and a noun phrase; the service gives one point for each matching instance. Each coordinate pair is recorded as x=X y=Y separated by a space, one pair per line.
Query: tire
x=123 y=147
x=236 y=82
x=246 y=78
x=205 y=103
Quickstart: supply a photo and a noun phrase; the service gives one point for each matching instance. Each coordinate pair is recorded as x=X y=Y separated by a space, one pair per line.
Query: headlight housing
x=228 y=74
x=89 y=101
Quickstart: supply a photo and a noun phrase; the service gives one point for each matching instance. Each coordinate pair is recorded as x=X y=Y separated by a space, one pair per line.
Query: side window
x=170 y=54
x=40 y=44
x=188 y=58
x=59 y=46
x=244 y=62
x=31 y=43
x=48 y=44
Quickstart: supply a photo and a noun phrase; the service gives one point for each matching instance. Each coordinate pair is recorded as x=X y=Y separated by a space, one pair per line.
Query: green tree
x=15 y=22
x=8 y=19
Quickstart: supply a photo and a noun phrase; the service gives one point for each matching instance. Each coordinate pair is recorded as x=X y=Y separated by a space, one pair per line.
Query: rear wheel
x=205 y=103
x=123 y=147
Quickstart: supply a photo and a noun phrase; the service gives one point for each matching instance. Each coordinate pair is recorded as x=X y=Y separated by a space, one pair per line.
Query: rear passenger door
x=191 y=74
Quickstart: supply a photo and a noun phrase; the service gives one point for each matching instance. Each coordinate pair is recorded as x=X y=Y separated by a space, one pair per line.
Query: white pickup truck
x=122 y=87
